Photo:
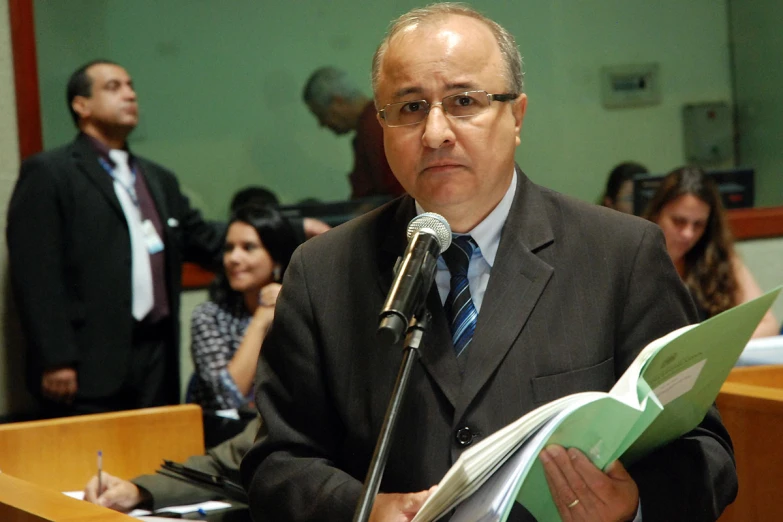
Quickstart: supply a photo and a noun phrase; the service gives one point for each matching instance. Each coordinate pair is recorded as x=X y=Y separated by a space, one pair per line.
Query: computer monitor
x=736 y=188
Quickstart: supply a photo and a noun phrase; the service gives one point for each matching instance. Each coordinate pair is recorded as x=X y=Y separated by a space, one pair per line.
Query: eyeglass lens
x=458 y=105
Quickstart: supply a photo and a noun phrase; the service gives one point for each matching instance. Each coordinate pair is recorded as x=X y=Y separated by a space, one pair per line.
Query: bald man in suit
x=566 y=296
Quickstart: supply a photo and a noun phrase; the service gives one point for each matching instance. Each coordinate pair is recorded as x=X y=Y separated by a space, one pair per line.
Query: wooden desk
x=751 y=404
x=61 y=454
x=754 y=223
x=195 y=277
x=21 y=501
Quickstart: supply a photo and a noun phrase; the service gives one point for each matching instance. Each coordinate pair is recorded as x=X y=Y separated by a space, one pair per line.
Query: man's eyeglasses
x=460 y=105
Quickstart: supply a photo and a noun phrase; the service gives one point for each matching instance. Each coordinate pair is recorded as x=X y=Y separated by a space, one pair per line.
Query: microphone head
x=433 y=224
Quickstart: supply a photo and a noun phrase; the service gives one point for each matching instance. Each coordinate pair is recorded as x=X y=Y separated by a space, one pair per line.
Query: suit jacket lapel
x=86 y=160
x=436 y=351
x=518 y=278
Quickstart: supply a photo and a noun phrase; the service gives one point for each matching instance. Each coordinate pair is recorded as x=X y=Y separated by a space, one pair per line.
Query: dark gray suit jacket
x=222 y=460
x=576 y=291
x=70 y=262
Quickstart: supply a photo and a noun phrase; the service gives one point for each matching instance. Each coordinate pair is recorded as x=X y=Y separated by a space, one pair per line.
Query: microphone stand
x=381 y=454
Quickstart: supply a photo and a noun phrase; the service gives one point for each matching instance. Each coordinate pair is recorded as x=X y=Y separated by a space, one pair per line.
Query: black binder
x=222 y=485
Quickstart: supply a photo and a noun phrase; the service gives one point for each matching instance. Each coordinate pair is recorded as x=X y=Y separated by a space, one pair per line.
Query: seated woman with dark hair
x=689 y=210
x=619 y=186
x=227 y=331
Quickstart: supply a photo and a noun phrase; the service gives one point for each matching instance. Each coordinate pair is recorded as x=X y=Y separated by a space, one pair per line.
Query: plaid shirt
x=216 y=333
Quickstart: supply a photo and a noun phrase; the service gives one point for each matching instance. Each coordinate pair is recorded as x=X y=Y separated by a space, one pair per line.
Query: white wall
x=764 y=258
x=190 y=299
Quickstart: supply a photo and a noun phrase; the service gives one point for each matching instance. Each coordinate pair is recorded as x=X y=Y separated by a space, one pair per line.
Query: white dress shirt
x=487 y=236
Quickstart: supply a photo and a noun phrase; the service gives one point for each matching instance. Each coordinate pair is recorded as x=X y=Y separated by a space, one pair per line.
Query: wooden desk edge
x=756 y=223
x=193 y=409
x=23 y=501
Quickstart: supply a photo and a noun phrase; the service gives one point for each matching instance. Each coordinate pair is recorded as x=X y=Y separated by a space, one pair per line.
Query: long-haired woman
x=689 y=210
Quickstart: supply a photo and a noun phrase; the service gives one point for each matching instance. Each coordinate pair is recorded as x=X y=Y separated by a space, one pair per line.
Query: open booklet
x=663 y=394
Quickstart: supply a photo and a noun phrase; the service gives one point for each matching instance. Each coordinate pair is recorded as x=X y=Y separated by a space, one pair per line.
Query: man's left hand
x=584 y=493
x=398 y=507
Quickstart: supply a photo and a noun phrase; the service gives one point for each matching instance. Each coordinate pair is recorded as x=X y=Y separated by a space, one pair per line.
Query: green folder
x=664 y=394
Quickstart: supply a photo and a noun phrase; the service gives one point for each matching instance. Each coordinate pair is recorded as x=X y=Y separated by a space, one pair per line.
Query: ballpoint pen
x=199 y=514
x=100 y=467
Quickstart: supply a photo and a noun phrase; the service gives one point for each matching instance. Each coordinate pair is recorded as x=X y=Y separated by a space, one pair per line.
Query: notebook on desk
x=222 y=485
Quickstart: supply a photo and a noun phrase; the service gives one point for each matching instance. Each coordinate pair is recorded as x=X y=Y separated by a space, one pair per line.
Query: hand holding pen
x=113 y=493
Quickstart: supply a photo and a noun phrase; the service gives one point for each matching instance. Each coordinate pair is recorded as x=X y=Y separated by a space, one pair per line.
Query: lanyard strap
x=130 y=189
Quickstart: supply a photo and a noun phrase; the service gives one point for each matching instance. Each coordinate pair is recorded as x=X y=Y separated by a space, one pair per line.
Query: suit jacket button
x=464 y=436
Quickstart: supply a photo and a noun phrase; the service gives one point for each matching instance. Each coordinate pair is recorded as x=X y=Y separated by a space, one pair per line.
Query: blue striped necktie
x=459 y=306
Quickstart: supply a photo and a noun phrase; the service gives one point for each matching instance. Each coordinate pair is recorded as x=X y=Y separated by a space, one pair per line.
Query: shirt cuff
x=235 y=399
x=638 y=517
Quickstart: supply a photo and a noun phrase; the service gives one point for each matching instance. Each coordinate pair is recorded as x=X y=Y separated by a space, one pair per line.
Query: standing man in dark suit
x=96 y=237
x=564 y=296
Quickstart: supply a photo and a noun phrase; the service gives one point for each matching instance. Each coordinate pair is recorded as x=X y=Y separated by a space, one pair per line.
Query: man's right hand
x=313 y=227
x=116 y=494
x=398 y=507
x=59 y=385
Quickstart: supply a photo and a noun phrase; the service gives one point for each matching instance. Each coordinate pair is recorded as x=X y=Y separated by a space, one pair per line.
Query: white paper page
x=763 y=343
x=625 y=388
x=210 y=505
x=451 y=493
x=680 y=384
x=79 y=495
x=767 y=350
x=489 y=503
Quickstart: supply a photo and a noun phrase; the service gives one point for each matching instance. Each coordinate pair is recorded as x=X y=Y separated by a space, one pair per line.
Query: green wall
x=757 y=43
x=220 y=83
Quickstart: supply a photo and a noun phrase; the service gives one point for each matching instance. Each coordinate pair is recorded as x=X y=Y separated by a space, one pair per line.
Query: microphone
x=429 y=234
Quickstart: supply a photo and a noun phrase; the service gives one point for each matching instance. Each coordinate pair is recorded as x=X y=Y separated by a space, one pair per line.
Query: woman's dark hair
x=709 y=273
x=253 y=195
x=276 y=235
x=620 y=174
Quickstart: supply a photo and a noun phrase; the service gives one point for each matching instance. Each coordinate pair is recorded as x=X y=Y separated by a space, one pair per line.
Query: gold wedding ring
x=573 y=504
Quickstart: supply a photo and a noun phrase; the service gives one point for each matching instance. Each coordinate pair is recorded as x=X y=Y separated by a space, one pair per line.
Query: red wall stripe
x=28 y=105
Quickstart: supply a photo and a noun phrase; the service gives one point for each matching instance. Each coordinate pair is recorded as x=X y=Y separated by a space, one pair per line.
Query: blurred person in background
x=304 y=227
x=157 y=491
x=96 y=239
x=688 y=208
x=340 y=106
x=619 y=186
x=227 y=331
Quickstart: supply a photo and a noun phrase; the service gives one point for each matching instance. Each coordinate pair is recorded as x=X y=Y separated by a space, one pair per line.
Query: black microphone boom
x=429 y=234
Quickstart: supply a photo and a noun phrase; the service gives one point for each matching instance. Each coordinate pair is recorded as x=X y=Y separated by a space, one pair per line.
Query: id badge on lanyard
x=151 y=238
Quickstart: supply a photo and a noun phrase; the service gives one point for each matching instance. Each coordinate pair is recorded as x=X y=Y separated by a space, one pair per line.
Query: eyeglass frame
x=501 y=97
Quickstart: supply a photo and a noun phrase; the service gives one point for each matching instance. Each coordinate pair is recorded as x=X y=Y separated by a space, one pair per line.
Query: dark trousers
x=148 y=382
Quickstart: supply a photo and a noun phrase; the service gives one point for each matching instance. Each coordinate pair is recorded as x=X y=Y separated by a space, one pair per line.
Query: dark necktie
x=459 y=306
